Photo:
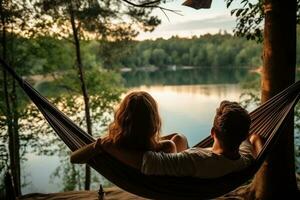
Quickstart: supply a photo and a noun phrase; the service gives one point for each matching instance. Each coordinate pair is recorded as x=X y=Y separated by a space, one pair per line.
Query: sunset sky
x=193 y=22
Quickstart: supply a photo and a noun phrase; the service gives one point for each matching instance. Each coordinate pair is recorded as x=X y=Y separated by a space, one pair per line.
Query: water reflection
x=38 y=170
x=189 y=109
x=184 y=77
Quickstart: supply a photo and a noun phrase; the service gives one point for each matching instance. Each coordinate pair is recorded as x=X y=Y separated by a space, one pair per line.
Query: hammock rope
x=268 y=120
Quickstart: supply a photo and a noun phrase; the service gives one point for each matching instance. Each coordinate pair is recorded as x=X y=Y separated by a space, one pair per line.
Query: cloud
x=192 y=27
x=217 y=22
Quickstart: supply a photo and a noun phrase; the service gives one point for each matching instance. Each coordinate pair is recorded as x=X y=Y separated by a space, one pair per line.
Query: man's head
x=231 y=125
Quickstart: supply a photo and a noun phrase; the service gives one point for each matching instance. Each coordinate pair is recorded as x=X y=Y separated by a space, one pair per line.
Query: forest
x=210 y=50
x=48 y=54
x=221 y=50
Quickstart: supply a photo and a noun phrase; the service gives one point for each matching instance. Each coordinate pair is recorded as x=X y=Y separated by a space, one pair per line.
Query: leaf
x=233 y=11
x=239 y=11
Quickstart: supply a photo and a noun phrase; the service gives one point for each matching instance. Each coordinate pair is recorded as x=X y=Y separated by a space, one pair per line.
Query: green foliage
x=219 y=50
x=250 y=16
x=104 y=88
x=249 y=19
x=111 y=52
x=113 y=22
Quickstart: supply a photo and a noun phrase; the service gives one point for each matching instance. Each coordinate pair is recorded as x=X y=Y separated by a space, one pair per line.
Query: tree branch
x=150 y=4
x=165 y=14
x=153 y=4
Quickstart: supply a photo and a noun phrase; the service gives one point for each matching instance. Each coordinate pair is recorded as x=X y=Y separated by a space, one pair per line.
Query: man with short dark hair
x=231 y=150
x=230 y=128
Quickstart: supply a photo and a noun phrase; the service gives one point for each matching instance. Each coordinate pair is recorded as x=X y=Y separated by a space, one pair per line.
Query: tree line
x=210 y=50
x=47 y=54
x=222 y=50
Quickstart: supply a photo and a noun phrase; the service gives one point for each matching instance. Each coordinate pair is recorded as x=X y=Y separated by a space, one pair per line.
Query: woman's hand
x=253 y=138
x=258 y=142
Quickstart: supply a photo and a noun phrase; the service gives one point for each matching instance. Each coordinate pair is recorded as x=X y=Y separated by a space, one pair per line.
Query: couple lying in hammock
x=134 y=138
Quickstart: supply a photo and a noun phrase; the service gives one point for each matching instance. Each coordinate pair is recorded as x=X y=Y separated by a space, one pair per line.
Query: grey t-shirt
x=195 y=162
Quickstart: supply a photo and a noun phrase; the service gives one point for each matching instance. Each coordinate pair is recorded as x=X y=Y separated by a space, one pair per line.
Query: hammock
x=268 y=120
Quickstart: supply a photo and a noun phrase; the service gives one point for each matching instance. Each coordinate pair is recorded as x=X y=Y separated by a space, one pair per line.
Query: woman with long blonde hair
x=135 y=128
x=136 y=123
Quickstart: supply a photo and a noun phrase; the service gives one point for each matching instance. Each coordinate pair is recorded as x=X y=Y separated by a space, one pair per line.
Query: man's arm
x=84 y=154
x=171 y=164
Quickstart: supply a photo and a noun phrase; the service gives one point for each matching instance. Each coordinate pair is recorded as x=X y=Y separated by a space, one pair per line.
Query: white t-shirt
x=195 y=162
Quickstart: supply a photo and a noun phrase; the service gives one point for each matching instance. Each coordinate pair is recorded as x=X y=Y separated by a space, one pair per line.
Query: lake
x=187 y=101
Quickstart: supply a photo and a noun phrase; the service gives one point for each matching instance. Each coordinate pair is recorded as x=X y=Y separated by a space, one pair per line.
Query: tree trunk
x=12 y=147
x=276 y=178
x=15 y=115
x=83 y=88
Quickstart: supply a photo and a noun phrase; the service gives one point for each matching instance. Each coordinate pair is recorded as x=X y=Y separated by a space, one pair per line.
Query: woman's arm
x=84 y=154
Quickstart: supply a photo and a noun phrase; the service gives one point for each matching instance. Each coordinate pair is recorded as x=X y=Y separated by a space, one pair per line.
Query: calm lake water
x=187 y=102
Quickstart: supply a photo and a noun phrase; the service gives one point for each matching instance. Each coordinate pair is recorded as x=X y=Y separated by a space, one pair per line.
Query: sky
x=192 y=22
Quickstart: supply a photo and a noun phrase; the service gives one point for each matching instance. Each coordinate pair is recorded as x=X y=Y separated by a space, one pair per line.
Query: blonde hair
x=136 y=123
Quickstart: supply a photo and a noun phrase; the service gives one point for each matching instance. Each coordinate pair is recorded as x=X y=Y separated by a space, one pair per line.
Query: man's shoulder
x=198 y=151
